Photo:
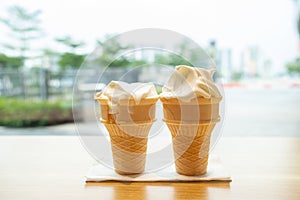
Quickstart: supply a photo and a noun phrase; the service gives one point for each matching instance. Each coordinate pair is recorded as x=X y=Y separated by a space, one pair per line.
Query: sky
x=268 y=24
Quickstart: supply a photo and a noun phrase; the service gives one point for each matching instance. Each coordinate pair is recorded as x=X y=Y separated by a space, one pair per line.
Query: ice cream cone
x=129 y=146
x=191 y=125
x=128 y=129
x=191 y=147
x=195 y=111
x=191 y=109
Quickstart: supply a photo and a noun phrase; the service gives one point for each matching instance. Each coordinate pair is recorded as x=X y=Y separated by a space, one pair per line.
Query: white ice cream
x=116 y=91
x=187 y=83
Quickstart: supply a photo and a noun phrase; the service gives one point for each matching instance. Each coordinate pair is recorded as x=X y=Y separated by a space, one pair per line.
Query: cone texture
x=129 y=146
x=191 y=147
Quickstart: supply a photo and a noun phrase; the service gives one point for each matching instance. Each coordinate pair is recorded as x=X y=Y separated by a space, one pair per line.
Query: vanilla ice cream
x=117 y=91
x=188 y=83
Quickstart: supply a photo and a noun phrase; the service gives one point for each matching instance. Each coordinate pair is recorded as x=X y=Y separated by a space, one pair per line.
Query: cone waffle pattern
x=129 y=146
x=191 y=147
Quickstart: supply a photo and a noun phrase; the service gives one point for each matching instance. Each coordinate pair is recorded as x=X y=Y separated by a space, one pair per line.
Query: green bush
x=294 y=67
x=21 y=113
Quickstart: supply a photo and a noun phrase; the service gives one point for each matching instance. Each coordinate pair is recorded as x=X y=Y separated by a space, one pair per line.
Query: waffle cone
x=129 y=146
x=191 y=147
x=191 y=124
x=198 y=110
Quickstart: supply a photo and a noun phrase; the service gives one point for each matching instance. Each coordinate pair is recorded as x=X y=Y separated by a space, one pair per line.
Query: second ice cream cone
x=191 y=147
x=191 y=109
x=191 y=125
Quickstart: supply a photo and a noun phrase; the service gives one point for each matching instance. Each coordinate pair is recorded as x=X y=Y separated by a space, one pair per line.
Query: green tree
x=237 y=76
x=171 y=59
x=186 y=54
x=111 y=48
x=192 y=54
x=8 y=62
x=71 y=58
x=24 y=28
x=70 y=43
x=294 y=67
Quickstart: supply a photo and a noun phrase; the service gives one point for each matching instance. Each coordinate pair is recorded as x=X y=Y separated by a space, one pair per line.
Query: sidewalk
x=63 y=129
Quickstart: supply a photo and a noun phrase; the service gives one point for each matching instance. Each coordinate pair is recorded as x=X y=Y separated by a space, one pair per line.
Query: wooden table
x=51 y=167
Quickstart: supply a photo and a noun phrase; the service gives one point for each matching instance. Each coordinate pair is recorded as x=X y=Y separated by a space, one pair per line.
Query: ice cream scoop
x=188 y=83
x=118 y=92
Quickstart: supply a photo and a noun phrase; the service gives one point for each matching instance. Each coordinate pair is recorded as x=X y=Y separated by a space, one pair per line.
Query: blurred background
x=255 y=45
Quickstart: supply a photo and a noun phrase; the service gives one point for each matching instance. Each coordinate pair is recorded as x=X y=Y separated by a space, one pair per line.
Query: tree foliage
x=24 y=27
x=171 y=59
x=70 y=60
x=70 y=43
x=111 y=48
x=8 y=62
x=294 y=67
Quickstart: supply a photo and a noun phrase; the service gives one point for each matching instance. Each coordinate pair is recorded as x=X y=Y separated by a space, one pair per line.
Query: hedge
x=21 y=113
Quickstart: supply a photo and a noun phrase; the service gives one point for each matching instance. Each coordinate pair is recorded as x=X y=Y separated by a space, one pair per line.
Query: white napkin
x=215 y=172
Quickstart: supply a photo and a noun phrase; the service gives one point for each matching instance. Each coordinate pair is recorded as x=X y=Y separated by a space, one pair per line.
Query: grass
x=21 y=113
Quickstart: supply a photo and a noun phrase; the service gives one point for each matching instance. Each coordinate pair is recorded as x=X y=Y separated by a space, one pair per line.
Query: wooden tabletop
x=53 y=167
